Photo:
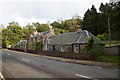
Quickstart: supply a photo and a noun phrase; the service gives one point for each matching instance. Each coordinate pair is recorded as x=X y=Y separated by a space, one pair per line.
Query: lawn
x=109 y=58
x=113 y=43
x=108 y=45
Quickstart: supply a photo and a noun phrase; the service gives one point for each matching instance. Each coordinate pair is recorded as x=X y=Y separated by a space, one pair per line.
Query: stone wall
x=112 y=50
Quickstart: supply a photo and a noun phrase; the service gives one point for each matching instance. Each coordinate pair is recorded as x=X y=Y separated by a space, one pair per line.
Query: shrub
x=94 y=48
x=90 y=43
x=38 y=45
x=101 y=37
x=96 y=51
x=31 y=45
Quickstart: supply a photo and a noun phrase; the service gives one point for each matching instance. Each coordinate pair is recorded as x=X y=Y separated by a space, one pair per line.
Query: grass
x=113 y=43
x=109 y=58
x=108 y=45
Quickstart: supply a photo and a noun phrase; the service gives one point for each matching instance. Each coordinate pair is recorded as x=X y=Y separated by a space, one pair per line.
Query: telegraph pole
x=109 y=31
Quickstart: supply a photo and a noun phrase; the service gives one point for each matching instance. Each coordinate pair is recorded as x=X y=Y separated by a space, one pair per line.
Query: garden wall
x=70 y=55
x=112 y=50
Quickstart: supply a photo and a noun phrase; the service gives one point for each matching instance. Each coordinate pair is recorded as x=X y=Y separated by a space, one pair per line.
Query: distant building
x=72 y=41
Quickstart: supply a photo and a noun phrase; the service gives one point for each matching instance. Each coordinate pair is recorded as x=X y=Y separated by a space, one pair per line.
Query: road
x=22 y=65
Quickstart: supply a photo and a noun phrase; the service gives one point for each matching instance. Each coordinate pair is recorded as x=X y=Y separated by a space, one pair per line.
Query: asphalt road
x=20 y=65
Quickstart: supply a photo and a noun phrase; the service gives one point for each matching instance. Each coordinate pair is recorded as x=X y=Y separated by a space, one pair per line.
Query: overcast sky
x=28 y=11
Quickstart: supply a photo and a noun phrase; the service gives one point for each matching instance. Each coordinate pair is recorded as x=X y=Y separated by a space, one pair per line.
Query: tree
x=104 y=8
x=90 y=20
x=73 y=24
x=41 y=27
x=11 y=35
x=112 y=12
x=103 y=17
x=13 y=23
x=56 y=24
x=27 y=31
x=70 y=24
x=115 y=21
x=60 y=31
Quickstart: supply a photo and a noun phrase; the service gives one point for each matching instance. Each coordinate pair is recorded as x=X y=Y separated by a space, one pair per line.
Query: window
x=76 y=48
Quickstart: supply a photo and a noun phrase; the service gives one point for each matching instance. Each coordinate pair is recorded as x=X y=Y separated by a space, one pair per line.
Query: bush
x=38 y=45
x=106 y=36
x=90 y=43
x=94 y=48
x=96 y=51
x=101 y=37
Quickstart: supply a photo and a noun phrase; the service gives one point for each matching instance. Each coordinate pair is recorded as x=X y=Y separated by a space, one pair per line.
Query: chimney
x=50 y=29
x=35 y=32
x=79 y=29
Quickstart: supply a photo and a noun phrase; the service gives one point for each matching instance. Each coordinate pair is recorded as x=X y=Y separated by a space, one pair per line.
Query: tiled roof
x=21 y=41
x=73 y=37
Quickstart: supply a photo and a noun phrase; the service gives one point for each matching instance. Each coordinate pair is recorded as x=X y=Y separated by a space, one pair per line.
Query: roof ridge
x=80 y=37
x=87 y=33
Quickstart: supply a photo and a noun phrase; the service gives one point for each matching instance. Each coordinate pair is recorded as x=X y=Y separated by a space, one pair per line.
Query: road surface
x=22 y=65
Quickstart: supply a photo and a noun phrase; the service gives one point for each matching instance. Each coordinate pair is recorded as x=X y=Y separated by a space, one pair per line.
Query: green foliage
x=90 y=44
x=56 y=24
x=90 y=20
x=13 y=23
x=96 y=51
x=113 y=43
x=97 y=23
x=73 y=24
x=106 y=35
x=41 y=27
x=11 y=35
x=109 y=58
x=60 y=31
x=7 y=43
x=101 y=37
x=38 y=45
x=115 y=21
x=105 y=8
x=70 y=25
x=27 y=31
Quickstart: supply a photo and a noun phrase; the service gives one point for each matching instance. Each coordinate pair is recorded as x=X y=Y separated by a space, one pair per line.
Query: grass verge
x=109 y=58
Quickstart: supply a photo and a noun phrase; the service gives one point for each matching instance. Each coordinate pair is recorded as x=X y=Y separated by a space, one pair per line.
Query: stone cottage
x=22 y=44
x=36 y=37
x=71 y=42
x=42 y=37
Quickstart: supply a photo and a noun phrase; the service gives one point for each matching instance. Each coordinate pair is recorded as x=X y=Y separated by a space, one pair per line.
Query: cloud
x=24 y=21
x=27 y=11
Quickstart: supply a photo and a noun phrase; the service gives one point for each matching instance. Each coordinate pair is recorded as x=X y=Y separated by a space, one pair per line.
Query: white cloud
x=27 y=11
x=24 y=21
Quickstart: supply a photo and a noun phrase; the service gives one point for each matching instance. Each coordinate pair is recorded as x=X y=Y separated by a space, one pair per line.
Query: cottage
x=66 y=42
x=42 y=37
x=71 y=42
x=22 y=44
x=36 y=37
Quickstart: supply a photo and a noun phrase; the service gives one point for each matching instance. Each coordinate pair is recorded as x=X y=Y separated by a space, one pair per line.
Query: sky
x=27 y=11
